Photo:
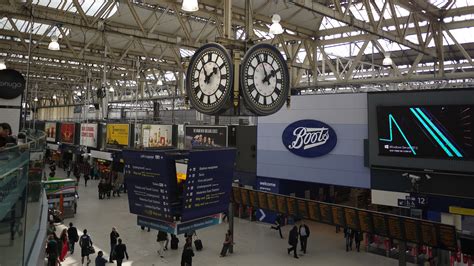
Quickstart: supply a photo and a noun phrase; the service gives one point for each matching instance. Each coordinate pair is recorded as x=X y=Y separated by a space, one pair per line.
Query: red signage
x=67 y=133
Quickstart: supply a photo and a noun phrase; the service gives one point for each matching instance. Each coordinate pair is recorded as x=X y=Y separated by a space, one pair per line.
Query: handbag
x=90 y=250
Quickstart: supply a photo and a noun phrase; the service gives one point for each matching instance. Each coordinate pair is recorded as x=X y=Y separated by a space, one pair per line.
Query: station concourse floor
x=255 y=243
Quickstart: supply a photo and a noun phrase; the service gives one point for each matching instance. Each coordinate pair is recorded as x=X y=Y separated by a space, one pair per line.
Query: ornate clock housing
x=264 y=79
x=209 y=79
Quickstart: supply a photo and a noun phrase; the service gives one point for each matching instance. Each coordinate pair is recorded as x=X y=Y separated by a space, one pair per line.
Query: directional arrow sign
x=263 y=215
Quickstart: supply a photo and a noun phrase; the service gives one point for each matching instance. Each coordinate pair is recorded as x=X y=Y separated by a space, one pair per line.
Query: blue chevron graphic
x=391 y=120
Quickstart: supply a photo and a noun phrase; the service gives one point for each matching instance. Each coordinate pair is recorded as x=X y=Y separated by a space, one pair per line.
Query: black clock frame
x=225 y=101
x=255 y=107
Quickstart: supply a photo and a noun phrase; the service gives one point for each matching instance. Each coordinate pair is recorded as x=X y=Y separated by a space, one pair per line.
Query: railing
x=21 y=198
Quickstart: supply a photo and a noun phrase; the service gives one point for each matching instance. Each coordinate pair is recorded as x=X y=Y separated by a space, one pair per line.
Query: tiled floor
x=255 y=244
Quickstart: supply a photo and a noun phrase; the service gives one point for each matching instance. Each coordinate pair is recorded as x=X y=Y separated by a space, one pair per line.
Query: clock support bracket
x=236 y=94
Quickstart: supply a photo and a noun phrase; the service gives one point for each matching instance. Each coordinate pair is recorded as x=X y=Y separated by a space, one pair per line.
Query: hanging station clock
x=264 y=79
x=210 y=78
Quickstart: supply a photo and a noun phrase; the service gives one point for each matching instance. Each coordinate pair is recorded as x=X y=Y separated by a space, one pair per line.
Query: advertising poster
x=67 y=133
x=208 y=184
x=118 y=134
x=154 y=136
x=89 y=135
x=205 y=136
x=50 y=129
x=147 y=175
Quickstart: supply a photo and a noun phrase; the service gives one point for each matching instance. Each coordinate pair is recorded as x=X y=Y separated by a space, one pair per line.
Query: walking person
x=114 y=235
x=349 y=236
x=73 y=237
x=188 y=253
x=143 y=228
x=64 y=245
x=52 y=251
x=304 y=234
x=227 y=243
x=100 y=260
x=120 y=252
x=161 y=239
x=293 y=241
x=358 y=237
x=85 y=243
x=278 y=223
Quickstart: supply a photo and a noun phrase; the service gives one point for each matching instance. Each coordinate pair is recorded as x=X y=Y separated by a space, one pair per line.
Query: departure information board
x=396 y=227
x=352 y=220
x=208 y=183
x=147 y=177
x=412 y=230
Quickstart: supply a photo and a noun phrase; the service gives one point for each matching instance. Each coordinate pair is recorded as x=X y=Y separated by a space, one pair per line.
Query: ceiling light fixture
x=190 y=5
x=159 y=83
x=54 y=45
x=387 y=61
x=54 y=97
x=111 y=89
x=2 y=64
x=36 y=99
x=78 y=93
x=276 y=27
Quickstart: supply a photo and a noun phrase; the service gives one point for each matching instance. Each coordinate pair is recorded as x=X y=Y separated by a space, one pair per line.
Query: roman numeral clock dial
x=209 y=79
x=264 y=79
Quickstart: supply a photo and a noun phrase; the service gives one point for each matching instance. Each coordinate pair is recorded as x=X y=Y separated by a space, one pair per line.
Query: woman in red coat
x=65 y=242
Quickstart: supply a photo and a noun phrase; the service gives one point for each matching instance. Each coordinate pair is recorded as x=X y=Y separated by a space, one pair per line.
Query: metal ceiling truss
x=92 y=41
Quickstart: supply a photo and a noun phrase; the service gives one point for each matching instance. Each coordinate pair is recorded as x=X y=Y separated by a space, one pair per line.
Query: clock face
x=264 y=79
x=210 y=79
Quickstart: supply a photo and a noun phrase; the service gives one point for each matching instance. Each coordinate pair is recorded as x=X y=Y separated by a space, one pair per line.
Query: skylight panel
x=329 y=23
x=90 y=8
x=186 y=52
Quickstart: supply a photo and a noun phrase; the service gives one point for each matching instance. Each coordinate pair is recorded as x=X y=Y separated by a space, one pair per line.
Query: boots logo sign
x=309 y=138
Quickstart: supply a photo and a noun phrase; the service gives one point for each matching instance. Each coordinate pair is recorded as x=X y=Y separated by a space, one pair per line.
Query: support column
x=249 y=20
x=228 y=19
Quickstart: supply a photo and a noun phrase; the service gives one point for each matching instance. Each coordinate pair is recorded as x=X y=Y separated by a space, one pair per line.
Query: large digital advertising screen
x=50 y=129
x=155 y=136
x=429 y=131
x=118 y=134
x=205 y=136
x=89 y=135
x=67 y=133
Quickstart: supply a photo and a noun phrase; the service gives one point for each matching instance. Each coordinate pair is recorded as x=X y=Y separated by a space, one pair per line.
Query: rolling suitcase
x=174 y=242
x=198 y=244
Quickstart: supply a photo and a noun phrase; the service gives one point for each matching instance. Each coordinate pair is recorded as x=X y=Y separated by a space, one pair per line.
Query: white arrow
x=263 y=215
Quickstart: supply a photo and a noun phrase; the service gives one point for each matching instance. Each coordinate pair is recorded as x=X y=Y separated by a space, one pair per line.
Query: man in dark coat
x=73 y=237
x=188 y=253
x=114 y=235
x=293 y=241
x=304 y=234
x=278 y=223
x=120 y=252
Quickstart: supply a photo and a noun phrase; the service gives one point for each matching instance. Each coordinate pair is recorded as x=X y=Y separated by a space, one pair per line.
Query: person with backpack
x=174 y=242
x=358 y=237
x=120 y=252
x=85 y=243
x=304 y=234
x=73 y=237
x=161 y=238
x=349 y=236
x=188 y=253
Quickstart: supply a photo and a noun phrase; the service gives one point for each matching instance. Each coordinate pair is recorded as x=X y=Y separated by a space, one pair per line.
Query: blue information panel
x=208 y=183
x=148 y=175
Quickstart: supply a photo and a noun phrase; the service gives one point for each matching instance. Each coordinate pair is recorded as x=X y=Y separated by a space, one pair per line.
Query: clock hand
x=206 y=77
x=265 y=73
x=272 y=74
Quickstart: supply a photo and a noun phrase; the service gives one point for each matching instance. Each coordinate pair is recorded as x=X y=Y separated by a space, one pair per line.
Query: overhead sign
x=67 y=133
x=208 y=183
x=89 y=135
x=154 y=136
x=205 y=136
x=147 y=175
x=50 y=129
x=309 y=138
x=118 y=134
x=12 y=84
